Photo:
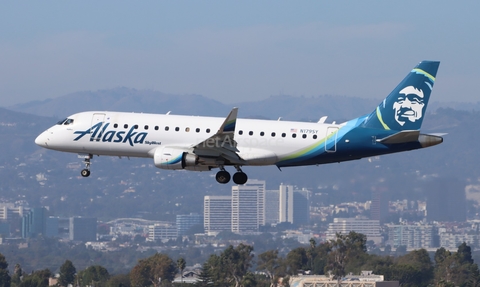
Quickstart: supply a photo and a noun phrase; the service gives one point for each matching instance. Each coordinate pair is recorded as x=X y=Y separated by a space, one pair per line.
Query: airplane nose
x=42 y=139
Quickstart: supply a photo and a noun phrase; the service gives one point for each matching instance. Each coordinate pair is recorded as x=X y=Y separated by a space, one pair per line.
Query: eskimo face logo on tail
x=97 y=133
x=409 y=105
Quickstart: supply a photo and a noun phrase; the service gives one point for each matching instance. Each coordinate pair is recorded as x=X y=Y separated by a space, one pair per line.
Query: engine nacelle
x=175 y=158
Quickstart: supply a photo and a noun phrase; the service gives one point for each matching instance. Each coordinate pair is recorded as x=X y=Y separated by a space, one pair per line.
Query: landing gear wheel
x=240 y=177
x=85 y=172
x=222 y=176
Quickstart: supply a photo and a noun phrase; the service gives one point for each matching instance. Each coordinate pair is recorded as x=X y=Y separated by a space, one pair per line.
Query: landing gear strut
x=239 y=177
x=86 y=171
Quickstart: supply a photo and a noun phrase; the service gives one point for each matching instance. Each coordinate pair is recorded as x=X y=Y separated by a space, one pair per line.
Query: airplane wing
x=222 y=144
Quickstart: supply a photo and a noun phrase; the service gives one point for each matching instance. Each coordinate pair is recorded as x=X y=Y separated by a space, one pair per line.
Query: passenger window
x=250 y=133
x=135 y=126
x=240 y=132
x=115 y=125
x=187 y=129
x=294 y=135
x=304 y=136
x=273 y=134
x=314 y=137
x=156 y=128
x=177 y=129
x=145 y=127
x=197 y=130
x=262 y=134
x=208 y=131
x=167 y=128
x=283 y=135
x=125 y=126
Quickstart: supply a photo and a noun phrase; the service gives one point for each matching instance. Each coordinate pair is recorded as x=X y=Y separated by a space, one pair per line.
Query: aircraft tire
x=222 y=177
x=85 y=172
x=240 y=177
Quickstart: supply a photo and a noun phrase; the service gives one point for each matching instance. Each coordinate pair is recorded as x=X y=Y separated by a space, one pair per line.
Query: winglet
x=229 y=123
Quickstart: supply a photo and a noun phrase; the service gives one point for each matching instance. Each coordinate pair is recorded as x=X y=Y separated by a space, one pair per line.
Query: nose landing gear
x=86 y=171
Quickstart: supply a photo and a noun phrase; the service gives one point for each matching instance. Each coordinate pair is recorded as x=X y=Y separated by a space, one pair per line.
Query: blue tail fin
x=405 y=106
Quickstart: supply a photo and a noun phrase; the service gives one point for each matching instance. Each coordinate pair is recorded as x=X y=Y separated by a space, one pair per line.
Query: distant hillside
x=147 y=101
x=123 y=99
x=337 y=108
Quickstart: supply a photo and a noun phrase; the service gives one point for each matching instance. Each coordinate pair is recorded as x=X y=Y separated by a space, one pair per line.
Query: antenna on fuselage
x=168 y=113
x=279 y=119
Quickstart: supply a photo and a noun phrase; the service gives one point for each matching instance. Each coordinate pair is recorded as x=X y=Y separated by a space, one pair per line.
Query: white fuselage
x=259 y=142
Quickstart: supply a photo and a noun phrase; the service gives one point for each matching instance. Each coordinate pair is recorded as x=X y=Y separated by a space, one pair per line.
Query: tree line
x=240 y=267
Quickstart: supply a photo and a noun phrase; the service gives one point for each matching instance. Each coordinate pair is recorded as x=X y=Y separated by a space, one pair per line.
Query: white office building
x=248 y=206
x=370 y=228
x=217 y=214
x=412 y=236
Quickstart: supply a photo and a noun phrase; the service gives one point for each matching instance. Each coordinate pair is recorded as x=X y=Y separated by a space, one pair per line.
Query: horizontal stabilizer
x=401 y=137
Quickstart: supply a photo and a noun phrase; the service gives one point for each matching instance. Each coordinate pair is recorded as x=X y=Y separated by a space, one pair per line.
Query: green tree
x=271 y=265
x=413 y=269
x=237 y=261
x=95 y=275
x=205 y=277
x=346 y=249
x=5 y=279
x=181 y=264
x=474 y=276
x=120 y=280
x=464 y=254
x=36 y=279
x=17 y=275
x=296 y=260
x=67 y=273
x=320 y=258
x=152 y=271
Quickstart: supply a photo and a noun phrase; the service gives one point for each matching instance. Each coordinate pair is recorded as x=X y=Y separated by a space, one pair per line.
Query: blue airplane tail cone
x=405 y=106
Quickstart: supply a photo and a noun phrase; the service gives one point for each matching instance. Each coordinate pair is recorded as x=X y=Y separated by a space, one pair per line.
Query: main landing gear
x=239 y=177
x=86 y=171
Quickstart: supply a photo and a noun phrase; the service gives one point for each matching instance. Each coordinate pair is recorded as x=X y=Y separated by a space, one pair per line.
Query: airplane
x=177 y=142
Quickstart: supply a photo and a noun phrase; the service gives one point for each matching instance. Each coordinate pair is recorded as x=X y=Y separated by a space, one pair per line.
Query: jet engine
x=177 y=158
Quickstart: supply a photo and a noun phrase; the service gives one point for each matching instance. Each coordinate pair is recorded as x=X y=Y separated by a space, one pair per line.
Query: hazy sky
x=236 y=51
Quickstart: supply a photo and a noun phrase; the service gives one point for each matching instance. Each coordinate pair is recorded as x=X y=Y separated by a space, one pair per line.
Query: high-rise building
x=217 y=214
x=294 y=205
x=83 y=229
x=272 y=206
x=248 y=206
x=285 y=212
x=379 y=206
x=301 y=207
x=52 y=227
x=187 y=221
x=446 y=200
x=34 y=222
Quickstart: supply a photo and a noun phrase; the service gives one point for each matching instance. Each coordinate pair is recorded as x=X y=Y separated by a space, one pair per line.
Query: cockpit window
x=61 y=122
x=68 y=122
